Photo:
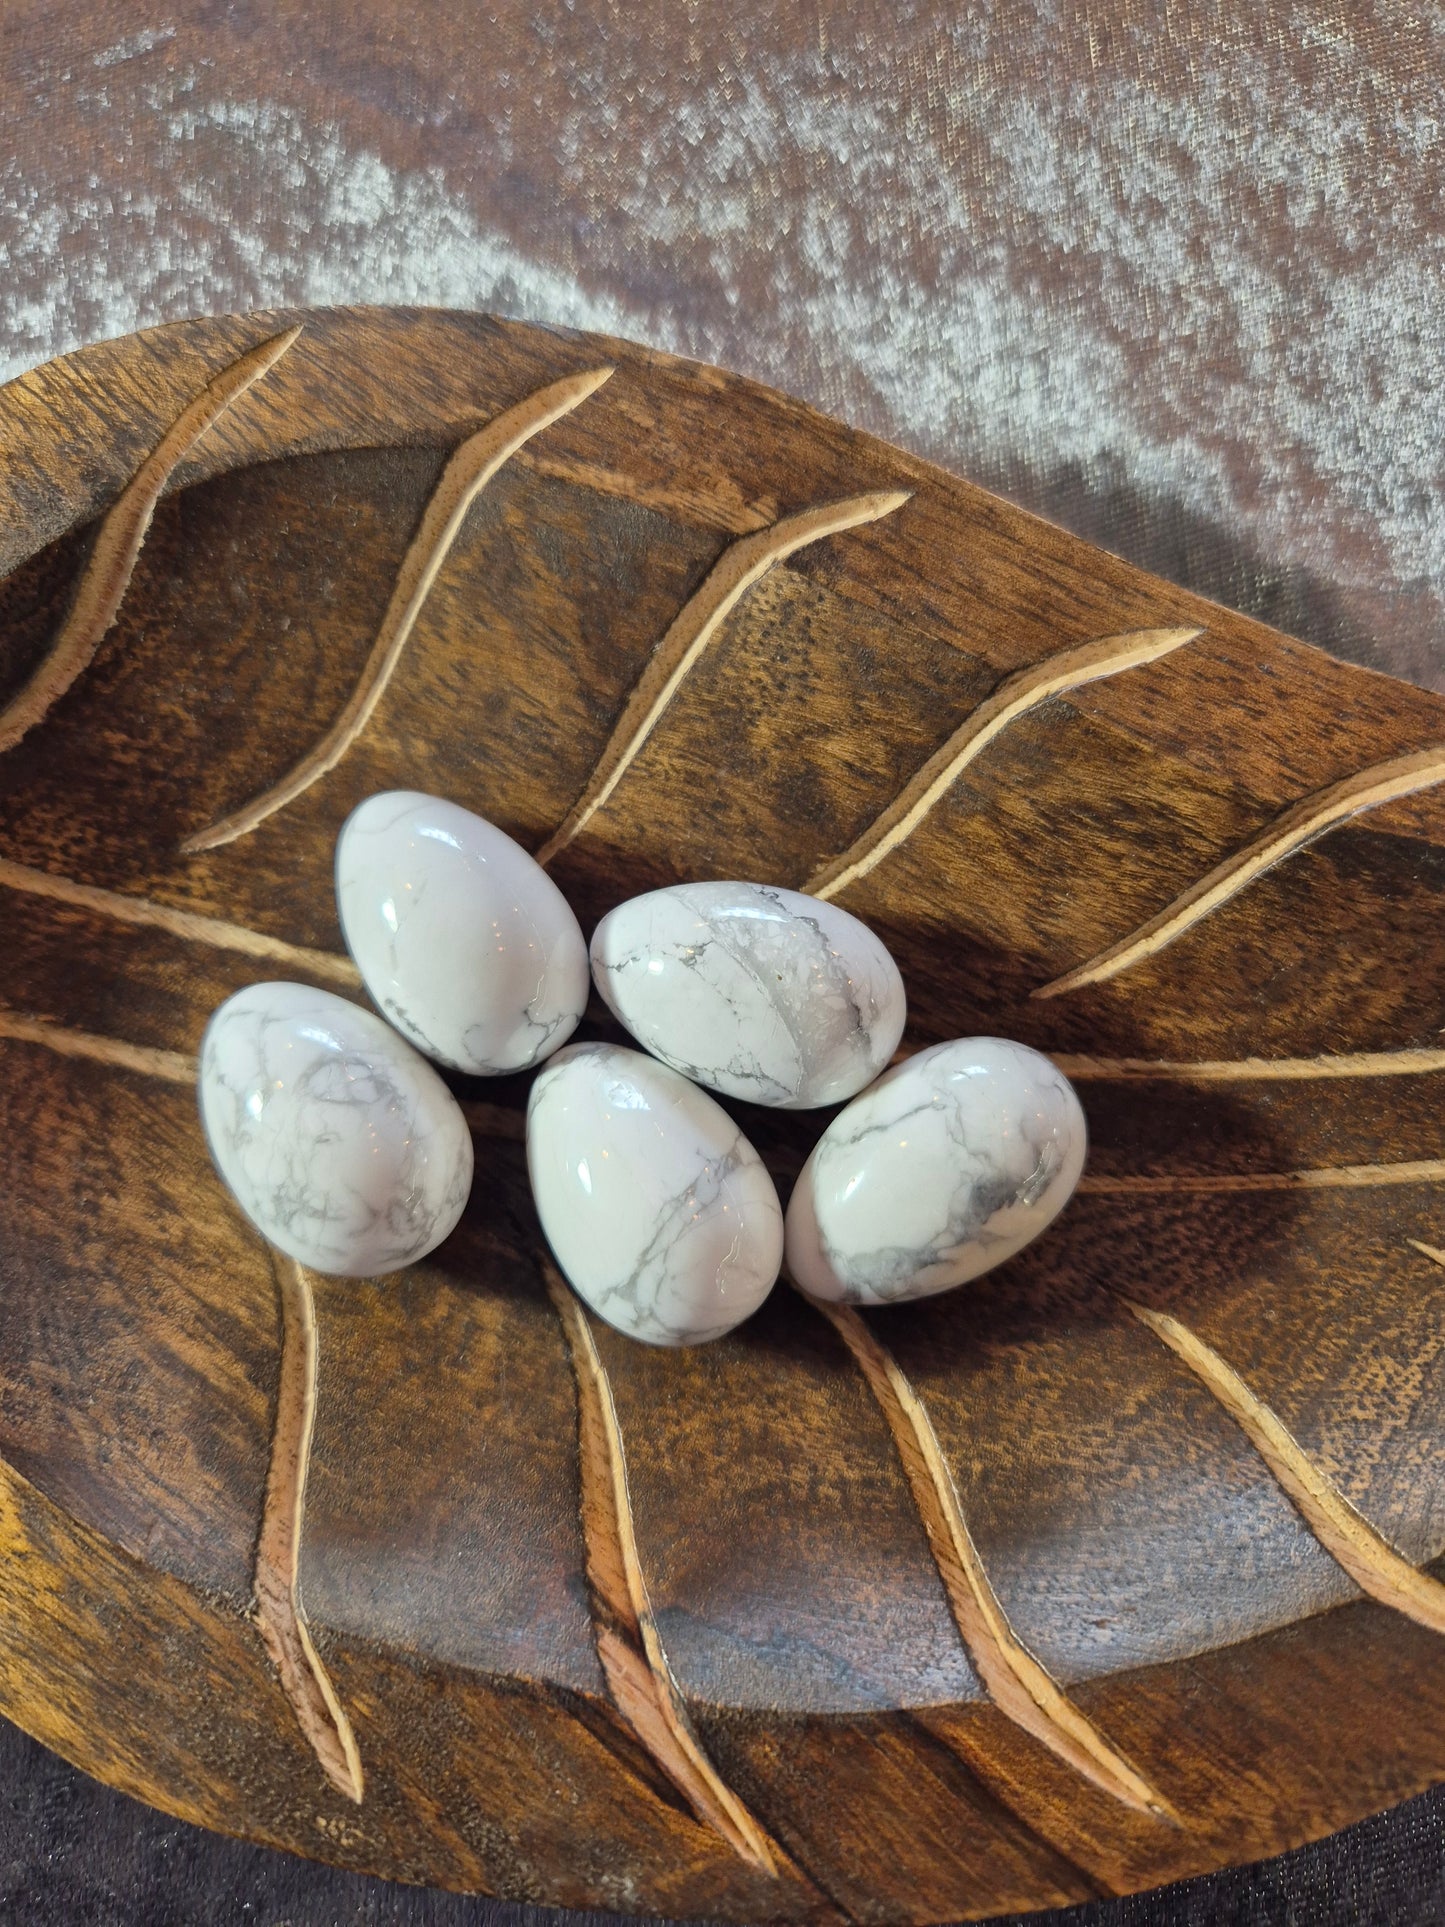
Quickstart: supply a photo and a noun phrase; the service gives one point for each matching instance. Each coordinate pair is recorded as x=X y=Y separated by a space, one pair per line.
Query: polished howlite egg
x=757 y=992
x=464 y=942
x=657 y=1208
x=951 y=1163
x=341 y=1144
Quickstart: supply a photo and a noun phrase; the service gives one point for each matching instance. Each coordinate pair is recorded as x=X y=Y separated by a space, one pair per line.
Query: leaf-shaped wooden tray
x=1113 y=1567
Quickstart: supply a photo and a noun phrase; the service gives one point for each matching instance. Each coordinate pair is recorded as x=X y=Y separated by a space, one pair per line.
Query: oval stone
x=950 y=1164
x=463 y=941
x=340 y=1143
x=657 y=1208
x=758 y=992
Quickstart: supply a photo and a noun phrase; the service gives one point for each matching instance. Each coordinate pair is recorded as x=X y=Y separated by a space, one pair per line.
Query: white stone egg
x=951 y=1163
x=463 y=941
x=341 y=1144
x=656 y=1207
x=759 y=993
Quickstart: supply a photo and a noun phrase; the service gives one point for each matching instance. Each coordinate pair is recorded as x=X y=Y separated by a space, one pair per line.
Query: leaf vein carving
x=172 y=1066
x=1019 y=693
x=1242 y=1070
x=471 y=467
x=1349 y=1538
x=628 y=1643
x=499 y=1121
x=191 y=925
x=741 y=564
x=1314 y=816
x=1020 y=1687
x=1346 y=1177
x=279 y=1614
x=118 y=541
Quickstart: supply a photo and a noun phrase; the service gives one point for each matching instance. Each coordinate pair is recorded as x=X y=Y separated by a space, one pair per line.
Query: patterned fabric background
x=1170 y=273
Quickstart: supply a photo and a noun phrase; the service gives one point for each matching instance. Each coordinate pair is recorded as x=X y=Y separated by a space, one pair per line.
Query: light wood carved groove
x=1432 y=1252
x=1016 y=1682
x=1244 y=1070
x=189 y=924
x=719 y=514
x=465 y=476
x=628 y=1643
x=183 y=1067
x=1374 y=1565
x=1411 y=1062
x=1307 y=820
x=175 y=1067
x=118 y=541
x=499 y=1121
x=279 y=1614
x=1346 y=1177
x=1021 y=692
x=743 y=563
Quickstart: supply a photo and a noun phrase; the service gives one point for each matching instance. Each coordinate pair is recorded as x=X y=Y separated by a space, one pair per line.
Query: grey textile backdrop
x=1172 y=274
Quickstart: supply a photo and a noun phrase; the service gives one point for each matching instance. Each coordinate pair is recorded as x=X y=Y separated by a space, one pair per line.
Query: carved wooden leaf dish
x=1114 y=1567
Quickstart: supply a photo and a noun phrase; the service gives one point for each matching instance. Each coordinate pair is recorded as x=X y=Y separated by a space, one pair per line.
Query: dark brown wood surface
x=790 y=1615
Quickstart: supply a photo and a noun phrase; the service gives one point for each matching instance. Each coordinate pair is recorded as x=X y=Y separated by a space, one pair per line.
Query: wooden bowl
x=1113 y=1567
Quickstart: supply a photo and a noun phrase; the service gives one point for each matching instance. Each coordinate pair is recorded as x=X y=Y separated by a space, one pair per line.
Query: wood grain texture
x=698 y=1653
